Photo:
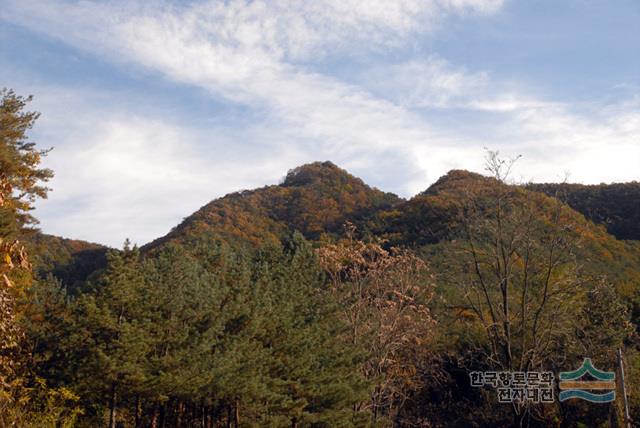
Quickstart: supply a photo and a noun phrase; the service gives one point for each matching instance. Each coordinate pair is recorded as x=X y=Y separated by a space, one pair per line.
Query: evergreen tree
x=312 y=374
x=21 y=179
x=112 y=331
x=49 y=324
x=184 y=327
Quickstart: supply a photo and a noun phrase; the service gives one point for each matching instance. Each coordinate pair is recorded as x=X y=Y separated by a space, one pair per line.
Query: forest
x=319 y=302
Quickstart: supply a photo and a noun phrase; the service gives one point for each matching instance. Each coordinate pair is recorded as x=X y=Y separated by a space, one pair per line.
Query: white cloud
x=134 y=175
x=600 y=146
x=594 y=142
x=430 y=82
x=435 y=83
x=279 y=28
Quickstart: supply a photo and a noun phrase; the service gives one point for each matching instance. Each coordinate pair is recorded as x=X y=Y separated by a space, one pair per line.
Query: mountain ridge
x=314 y=198
x=317 y=199
x=616 y=205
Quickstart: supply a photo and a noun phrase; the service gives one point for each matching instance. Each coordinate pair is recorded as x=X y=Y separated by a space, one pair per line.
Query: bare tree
x=517 y=267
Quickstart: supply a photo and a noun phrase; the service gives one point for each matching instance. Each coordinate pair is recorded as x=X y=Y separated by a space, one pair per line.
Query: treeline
x=203 y=336
x=207 y=336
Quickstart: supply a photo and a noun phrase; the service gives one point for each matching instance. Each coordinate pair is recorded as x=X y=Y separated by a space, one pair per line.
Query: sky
x=154 y=108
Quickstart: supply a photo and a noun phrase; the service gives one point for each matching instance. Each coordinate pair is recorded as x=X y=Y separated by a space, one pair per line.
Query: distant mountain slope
x=315 y=199
x=430 y=216
x=617 y=205
x=69 y=260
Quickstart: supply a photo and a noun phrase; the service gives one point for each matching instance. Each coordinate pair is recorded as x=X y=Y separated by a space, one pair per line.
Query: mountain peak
x=316 y=172
x=314 y=198
x=456 y=179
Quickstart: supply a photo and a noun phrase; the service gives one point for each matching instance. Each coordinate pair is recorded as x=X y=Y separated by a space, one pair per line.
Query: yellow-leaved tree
x=22 y=181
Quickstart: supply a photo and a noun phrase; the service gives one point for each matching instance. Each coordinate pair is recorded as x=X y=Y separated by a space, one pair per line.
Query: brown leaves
x=385 y=296
x=5 y=190
x=12 y=255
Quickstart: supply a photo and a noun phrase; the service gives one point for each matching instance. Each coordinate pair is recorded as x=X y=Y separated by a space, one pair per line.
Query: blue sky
x=155 y=108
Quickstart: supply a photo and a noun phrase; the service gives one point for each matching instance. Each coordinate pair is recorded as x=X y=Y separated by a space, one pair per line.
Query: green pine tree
x=112 y=327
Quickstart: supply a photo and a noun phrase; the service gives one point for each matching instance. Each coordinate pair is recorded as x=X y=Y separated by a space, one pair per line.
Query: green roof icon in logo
x=572 y=387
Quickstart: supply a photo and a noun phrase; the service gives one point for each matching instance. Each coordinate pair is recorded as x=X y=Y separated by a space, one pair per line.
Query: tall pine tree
x=112 y=331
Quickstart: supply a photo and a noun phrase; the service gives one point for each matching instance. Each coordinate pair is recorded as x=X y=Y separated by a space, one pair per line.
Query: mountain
x=71 y=261
x=617 y=205
x=318 y=198
x=433 y=218
x=430 y=216
x=315 y=199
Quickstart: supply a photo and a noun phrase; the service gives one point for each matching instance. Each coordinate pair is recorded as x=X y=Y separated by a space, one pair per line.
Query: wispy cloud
x=433 y=82
x=247 y=52
x=133 y=175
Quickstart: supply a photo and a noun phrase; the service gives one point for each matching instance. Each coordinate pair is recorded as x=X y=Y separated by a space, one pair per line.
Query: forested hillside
x=617 y=206
x=69 y=260
x=318 y=302
x=314 y=199
x=437 y=215
x=318 y=199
